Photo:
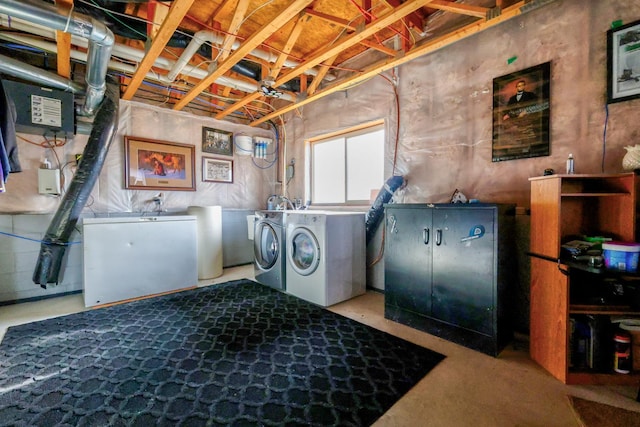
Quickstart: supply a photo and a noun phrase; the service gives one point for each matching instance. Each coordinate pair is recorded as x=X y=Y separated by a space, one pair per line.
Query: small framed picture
x=217 y=170
x=623 y=63
x=216 y=141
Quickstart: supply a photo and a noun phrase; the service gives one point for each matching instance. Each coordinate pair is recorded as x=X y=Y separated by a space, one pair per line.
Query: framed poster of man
x=521 y=114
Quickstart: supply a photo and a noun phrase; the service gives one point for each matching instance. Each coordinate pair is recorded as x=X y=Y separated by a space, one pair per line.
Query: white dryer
x=325 y=255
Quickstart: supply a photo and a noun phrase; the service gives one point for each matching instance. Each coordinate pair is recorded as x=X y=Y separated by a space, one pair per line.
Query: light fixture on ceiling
x=267 y=89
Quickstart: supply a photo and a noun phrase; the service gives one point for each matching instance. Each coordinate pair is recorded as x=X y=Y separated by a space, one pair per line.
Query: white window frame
x=345 y=133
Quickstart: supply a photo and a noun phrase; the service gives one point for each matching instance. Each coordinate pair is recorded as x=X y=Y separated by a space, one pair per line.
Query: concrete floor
x=467 y=388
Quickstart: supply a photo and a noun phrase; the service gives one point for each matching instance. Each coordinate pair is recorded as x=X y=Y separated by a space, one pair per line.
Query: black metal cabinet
x=408 y=259
x=448 y=269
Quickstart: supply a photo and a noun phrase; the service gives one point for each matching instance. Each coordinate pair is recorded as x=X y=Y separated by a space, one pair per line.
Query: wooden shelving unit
x=565 y=207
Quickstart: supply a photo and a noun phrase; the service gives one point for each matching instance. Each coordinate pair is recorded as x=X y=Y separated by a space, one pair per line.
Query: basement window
x=347 y=168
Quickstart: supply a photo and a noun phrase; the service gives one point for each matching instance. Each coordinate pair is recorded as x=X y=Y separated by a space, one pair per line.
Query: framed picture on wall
x=521 y=114
x=150 y=164
x=217 y=170
x=216 y=141
x=623 y=63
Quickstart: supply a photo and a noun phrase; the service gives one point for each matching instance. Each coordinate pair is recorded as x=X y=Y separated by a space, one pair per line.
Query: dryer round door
x=304 y=251
x=266 y=247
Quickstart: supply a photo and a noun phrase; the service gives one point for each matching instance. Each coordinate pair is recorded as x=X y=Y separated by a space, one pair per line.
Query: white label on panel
x=46 y=111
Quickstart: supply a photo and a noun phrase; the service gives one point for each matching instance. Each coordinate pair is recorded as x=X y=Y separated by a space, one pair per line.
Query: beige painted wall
x=445 y=116
x=446 y=97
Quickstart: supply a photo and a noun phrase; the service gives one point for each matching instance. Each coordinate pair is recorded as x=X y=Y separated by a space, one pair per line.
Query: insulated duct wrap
x=376 y=211
x=56 y=239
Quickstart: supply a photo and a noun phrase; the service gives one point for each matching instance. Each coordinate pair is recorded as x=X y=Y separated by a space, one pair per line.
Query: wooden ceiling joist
x=350 y=40
x=463 y=9
x=417 y=51
x=351 y=28
x=331 y=19
x=63 y=46
x=301 y=21
x=379 y=47
x=245 y=48
x=323 y=69
x=332 y=51
x=405 y=38
x=238 y=105
x=236 y=21
x=217 y=13
x=156 y=14
x=414 y=19
x=178 y=10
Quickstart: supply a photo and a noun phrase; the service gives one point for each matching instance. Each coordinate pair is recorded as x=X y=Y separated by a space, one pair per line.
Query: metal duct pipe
x=24 y=71
x=194 y=46
x=203 y=36
x=174 y=67
x=100 y=38
x=133 y=54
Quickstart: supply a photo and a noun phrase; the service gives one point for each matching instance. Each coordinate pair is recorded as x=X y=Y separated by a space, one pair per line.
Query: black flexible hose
x=56 y=239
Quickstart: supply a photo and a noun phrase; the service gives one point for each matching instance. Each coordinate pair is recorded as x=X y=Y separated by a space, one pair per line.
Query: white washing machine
x=269 y=248
x=326 y=258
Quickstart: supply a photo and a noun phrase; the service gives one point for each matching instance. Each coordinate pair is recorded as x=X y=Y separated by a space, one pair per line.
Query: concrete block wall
x=19 y=250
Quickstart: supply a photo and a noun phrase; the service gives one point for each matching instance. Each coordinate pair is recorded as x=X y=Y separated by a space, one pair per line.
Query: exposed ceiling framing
x=170 y=23
x=256 y=59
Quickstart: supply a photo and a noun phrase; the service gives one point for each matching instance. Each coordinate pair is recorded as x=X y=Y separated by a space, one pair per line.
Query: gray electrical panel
x=41 y=109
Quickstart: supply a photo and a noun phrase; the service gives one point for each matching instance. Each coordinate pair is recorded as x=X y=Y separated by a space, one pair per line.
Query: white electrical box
x=49 y=181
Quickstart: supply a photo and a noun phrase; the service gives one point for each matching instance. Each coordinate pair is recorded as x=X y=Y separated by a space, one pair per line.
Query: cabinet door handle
x=438 y=237
x=392 y=224
x=425 y=236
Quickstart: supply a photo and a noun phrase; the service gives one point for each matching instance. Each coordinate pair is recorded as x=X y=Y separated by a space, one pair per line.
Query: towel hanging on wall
x=8 y=143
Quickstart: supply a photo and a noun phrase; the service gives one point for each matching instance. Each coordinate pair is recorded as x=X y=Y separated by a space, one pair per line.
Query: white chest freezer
x=131 y=257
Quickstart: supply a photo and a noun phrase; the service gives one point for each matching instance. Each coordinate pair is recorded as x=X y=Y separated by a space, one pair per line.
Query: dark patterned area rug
x=233 y=354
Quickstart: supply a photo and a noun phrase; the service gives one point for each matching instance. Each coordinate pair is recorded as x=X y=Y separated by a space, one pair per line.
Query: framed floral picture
x=150 y=164
x=217 y=170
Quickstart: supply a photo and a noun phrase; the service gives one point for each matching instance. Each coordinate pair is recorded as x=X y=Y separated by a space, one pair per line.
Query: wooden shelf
x=581 y=176
x=614 y=378
x=594 y=194
x=611 y=310
x=599 y=270
x=562 y=207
